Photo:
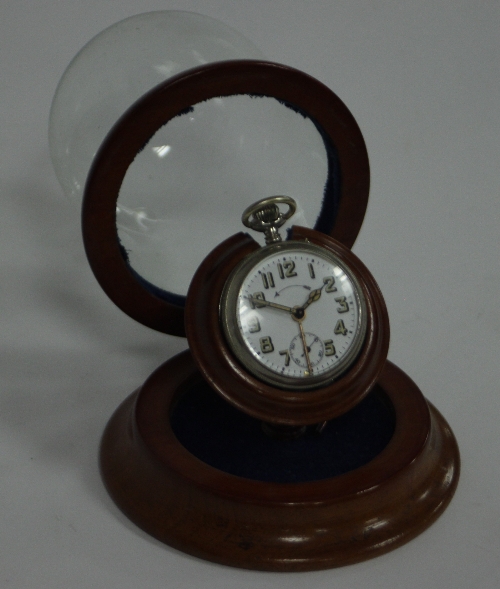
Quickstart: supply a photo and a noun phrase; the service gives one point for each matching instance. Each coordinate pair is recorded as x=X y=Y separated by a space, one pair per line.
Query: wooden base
x=252 y=524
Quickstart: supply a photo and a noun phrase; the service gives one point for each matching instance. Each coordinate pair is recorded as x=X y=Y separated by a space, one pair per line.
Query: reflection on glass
x=161 y=150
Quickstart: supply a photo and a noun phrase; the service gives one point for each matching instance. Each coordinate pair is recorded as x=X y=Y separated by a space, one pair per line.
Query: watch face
x=294 y=315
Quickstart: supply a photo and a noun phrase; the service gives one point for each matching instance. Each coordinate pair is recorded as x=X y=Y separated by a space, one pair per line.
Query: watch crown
x=266 y=217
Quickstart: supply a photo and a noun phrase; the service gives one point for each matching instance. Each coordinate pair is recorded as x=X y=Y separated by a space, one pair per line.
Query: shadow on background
x=68 y=356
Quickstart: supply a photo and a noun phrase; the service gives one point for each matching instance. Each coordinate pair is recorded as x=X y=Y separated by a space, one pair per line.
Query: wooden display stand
x=207 y=511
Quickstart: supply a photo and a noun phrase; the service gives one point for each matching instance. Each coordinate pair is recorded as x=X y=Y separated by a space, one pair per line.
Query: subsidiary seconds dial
x=294 y=315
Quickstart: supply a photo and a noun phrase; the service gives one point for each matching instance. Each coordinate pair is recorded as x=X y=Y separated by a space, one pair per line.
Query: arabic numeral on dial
x=311 y=270
x=329 y=347
x=340 y=328
x=280 y=271
x=257 y=296
x=266 y=345
x=329 y=281
x=285 y=353
x=253 y=325
x=344 y=305
x=289 y=268
x=267 y=279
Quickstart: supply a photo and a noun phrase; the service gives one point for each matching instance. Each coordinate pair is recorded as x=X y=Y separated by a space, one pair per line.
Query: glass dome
x=118 y=66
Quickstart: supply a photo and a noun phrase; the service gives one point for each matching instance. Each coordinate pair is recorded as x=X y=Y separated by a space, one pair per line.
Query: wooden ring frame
x=226 y=375
x=169 y=99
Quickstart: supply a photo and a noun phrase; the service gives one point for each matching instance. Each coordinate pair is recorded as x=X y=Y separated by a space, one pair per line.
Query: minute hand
x=263 y=302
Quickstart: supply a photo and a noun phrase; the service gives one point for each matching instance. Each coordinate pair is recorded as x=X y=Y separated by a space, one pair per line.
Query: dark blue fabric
x=231 y=441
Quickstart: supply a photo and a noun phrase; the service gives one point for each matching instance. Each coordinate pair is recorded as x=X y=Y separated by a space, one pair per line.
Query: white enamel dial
x=294 y=315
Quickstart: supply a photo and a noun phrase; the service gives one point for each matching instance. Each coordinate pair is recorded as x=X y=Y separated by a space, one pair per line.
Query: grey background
x=422 y=80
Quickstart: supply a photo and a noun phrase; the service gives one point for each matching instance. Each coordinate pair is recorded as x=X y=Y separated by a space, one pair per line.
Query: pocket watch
x=293 y=313
x=294 y=332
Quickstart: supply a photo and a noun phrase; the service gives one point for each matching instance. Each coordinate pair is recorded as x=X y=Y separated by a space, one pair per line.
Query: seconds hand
x=306 y=352
x=299 y=316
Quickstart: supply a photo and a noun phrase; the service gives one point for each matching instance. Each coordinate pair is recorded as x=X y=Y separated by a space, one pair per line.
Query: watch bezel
x=228 y=315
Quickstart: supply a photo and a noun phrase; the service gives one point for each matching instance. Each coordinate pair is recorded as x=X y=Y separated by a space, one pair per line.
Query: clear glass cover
x=120 y=65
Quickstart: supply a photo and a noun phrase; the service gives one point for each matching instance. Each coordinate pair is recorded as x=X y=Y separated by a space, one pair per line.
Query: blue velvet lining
x=324 y=222
x=170 y=297
x=227 y=439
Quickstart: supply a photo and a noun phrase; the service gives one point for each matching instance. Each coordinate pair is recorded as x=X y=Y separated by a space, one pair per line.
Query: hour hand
x=256 y=302
x=314 y=295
